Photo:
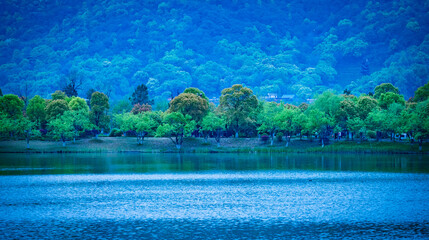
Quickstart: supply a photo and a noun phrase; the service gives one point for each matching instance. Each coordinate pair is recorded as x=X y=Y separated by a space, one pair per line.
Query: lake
x=214 y=196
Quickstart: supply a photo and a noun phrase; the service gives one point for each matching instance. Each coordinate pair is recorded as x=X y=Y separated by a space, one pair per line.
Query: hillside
x=281 y=47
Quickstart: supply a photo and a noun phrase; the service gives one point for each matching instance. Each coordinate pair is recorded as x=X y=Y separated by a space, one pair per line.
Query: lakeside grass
x=198 y=145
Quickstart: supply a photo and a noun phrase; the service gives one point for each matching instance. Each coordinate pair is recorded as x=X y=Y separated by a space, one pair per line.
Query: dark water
x=222 y=196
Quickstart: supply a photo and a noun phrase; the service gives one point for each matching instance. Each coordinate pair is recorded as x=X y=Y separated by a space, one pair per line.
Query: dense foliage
x=293 y=47
x=330 y=117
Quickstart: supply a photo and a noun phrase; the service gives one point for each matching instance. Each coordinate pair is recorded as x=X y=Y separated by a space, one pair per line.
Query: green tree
x=6 y=124
x=365 y=105
x=80 y=121
x=61 y=128
x=318 y=124
x=347 y=110
x=284 y=120
x=384 y=88
x=212 y=124
x=300 y=122
x=26 y=128
x=56 y=108
x=237 y=103
x=392 y=119
x=11 y=105
x=357 y=126
x=77 y=103
x=266 y=117
x=141 y=96
x=99 y=107
x=175 y=126
x=190 y=104
x=58 y=95
x=36 y=110
x=422 y=93
x=420 y=118
x=386 y=99
x=122 y=106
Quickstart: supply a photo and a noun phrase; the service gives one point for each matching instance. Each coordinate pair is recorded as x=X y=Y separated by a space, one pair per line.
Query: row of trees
x=383 y=114
x=60 y=117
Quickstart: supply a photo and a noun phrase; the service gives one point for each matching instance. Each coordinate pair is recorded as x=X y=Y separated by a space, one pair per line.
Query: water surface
x=264 y=196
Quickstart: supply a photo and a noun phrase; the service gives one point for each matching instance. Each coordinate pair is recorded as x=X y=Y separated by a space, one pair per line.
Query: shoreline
x=198 y=145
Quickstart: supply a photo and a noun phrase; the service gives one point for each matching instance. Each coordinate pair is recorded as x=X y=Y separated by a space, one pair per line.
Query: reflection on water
x=18 y=164
x=220 y=196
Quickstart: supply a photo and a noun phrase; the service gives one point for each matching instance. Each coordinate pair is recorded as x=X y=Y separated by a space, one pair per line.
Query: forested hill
x=283 y=47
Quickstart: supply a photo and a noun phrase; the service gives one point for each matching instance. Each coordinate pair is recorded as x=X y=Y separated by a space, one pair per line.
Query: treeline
x=239 y=114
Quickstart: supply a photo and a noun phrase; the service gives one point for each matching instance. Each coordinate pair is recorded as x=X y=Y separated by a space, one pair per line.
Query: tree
x=357 y=125
x=212 y=124
x=36 y=110
x=347 y=110
x=300 y=121
x=386 y=99
x=26 y=128
x=141 y=108
x=99 y=106
x=141 y=96
x=11 y=105
x=421 y=117
x=175 y=126
x=77 y=103
x=1 y=93
x=190 y=104
x=122 y=106
x=147 y=123
x=7 y=125
x=58 y=95
x=319 y=123
x=392 y=119
x=80 y=121
x=384 y=88
x=56 y=108
x=284 y=121
x=61 y=128
x=237 y=103
x=73 y=83
x=422 y=93
x=143 y=123
x=365 y=105
x=266 y=117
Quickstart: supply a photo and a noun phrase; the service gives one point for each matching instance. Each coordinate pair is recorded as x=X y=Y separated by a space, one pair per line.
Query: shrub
x=115 y=133
x=371 y=134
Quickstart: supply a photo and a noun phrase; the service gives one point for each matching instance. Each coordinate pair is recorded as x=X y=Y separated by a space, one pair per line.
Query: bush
x=279 y=136
x=371 y=134
x=115 y=133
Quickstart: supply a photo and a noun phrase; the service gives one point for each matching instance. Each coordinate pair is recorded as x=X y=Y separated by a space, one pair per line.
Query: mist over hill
x=279 y=47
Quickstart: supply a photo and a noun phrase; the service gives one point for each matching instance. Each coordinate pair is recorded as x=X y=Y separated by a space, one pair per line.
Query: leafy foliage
x=237 y=104
x=300 y=48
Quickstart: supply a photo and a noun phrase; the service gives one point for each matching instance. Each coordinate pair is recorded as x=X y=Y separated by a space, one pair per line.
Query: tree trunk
x=323 y=144
x=420 y=144
x=27 y=137
x=178 y=146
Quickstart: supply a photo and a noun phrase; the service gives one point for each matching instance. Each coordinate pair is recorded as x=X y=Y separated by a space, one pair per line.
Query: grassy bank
x=198 y=145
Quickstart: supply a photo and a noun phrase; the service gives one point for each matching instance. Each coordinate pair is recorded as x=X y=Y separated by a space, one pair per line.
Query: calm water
x=222 y=196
